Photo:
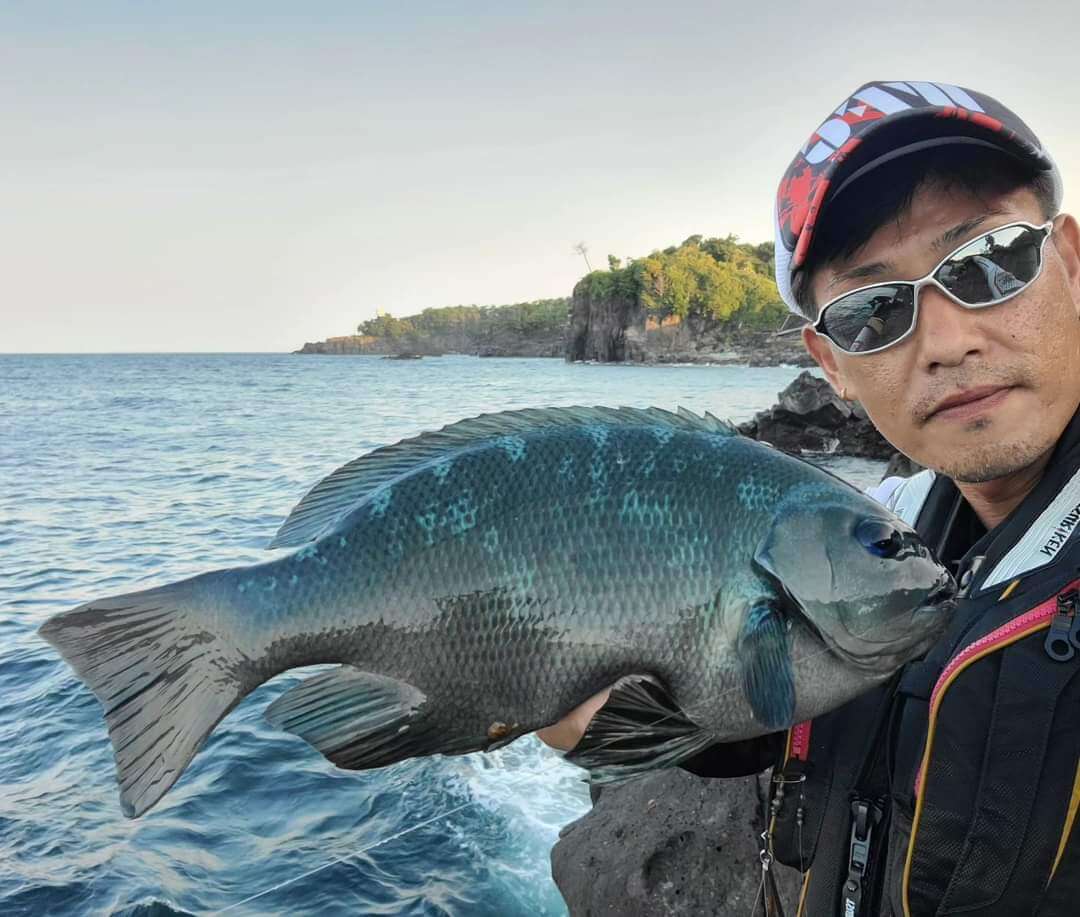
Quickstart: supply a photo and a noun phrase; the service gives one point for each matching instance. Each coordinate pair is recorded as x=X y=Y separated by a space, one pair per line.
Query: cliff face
x=605 y=326
x=608 y=326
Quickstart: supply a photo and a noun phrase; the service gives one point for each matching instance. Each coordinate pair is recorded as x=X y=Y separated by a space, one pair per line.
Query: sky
x=251 y=176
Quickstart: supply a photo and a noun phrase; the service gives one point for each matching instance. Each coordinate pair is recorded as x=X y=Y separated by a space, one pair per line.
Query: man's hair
x=886 y=193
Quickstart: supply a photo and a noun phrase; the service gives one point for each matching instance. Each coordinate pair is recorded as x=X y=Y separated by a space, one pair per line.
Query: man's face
x=1019 y=361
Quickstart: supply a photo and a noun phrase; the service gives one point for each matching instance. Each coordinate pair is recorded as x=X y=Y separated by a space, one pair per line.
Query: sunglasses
x=984 y=271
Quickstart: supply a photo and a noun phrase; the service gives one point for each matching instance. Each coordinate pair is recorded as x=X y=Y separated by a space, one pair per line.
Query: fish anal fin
x=639 y=729
x=360 y=720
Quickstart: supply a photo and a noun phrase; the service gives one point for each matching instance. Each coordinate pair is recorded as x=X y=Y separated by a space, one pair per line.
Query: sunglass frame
x=929 y=280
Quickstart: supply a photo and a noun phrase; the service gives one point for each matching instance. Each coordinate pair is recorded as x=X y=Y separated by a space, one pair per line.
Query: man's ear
x=823 y=355
x=1067 y=242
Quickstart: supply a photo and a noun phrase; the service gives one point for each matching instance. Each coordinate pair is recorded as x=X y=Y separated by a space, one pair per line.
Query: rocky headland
x=611 y=325
x=505 y=344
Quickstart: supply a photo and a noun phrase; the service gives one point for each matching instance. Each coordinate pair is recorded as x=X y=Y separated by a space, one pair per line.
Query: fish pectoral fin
x=639 y=729
x=768 y=679
x=359 y=720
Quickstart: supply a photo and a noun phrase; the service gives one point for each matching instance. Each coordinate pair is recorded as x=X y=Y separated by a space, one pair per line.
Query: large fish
x=478 y=582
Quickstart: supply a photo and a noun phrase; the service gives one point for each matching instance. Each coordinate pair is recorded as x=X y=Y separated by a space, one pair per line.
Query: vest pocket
x=990 y=820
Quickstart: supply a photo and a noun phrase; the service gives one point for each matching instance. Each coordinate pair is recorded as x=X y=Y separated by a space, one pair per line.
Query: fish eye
x=879 y=538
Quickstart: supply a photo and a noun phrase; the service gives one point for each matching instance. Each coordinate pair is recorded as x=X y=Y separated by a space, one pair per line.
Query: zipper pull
x=1064 y=633
x=1072 y=599
x=865 y=815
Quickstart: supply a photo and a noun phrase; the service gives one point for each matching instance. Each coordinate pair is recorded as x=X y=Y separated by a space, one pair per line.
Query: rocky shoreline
x=605 y=326
x=747 y=349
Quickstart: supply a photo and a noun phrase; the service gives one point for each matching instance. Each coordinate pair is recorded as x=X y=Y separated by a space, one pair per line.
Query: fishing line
x=466 y=805
x=393 y=837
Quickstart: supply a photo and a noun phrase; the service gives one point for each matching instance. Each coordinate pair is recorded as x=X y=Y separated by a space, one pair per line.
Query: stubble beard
x=992 y=461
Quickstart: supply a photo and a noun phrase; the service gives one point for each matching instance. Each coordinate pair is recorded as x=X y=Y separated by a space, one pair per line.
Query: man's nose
x=947 y=333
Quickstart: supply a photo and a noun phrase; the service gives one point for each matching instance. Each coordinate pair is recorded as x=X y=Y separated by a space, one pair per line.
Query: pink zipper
x=800 y=740
x=1042 y=612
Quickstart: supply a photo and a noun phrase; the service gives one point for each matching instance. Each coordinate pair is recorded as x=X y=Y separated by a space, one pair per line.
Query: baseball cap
x=876 y=124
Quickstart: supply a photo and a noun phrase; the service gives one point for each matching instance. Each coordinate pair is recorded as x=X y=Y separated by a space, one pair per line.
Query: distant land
x=706 y=300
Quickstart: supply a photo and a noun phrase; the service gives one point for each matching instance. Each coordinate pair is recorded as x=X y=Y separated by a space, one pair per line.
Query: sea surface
x=119 y=472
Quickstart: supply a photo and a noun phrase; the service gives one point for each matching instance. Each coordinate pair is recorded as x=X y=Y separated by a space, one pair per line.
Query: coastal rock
x=901 y=466
x=810 y=417
x=668 y=844
x=607 y=325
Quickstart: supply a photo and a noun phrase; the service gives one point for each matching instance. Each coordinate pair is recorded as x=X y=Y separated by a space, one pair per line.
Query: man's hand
x=567 y=732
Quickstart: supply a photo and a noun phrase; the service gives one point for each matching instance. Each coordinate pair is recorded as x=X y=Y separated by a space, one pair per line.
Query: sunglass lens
x=993 y=266
x=870 y=319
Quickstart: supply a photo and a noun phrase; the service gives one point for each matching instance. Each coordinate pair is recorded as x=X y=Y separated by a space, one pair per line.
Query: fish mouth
x=939 y=602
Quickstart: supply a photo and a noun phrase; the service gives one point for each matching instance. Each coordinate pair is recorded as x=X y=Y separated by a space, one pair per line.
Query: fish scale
x=477 y=583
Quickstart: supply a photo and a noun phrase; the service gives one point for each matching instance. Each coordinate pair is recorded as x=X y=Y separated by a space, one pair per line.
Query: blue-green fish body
x=477 y=583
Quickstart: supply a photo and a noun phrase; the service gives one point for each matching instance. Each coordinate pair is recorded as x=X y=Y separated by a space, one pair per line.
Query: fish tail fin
x=164 y=678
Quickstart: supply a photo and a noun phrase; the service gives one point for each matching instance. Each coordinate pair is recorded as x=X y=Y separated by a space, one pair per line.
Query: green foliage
x=624 y=282
x=469 y=326
x=386 y=326
x=719 y=278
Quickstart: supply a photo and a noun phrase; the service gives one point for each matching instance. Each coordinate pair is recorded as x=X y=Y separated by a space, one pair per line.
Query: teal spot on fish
x=513 y=446
x=566 y=468
x=426 y=521
x=342 y=541
x=523 y=573
x=294 y=579
x=679 y=464
x=307 y=552
x=461 y=515
x=598 y=433
x=271 y=584
x=490 y=541
x=663 y=434
x=380 y=501
x=756 y=494
x=441 y=469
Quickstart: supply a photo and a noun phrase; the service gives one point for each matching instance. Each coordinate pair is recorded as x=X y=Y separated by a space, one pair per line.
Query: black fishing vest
x=954 y=789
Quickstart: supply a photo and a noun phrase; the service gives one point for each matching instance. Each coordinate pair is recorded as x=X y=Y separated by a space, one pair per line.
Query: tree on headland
x=582 y=249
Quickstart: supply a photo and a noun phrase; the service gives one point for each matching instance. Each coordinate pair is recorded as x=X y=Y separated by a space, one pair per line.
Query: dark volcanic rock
x=810 y=417
x=900 y=465
x=671 y=844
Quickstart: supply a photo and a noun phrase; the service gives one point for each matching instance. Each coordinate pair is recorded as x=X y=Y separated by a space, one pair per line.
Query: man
x=918 y=233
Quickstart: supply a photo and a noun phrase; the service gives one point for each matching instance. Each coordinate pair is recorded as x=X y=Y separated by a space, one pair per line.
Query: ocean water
x=118 y=472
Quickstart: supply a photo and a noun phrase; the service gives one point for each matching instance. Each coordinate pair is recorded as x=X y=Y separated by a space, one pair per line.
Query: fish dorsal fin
x=329 y=500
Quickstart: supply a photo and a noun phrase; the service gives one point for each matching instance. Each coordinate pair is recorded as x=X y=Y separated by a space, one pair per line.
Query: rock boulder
x=668 y=844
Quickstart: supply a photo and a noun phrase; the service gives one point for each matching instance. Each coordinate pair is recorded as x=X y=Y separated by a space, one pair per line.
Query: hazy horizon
x=205 y=179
